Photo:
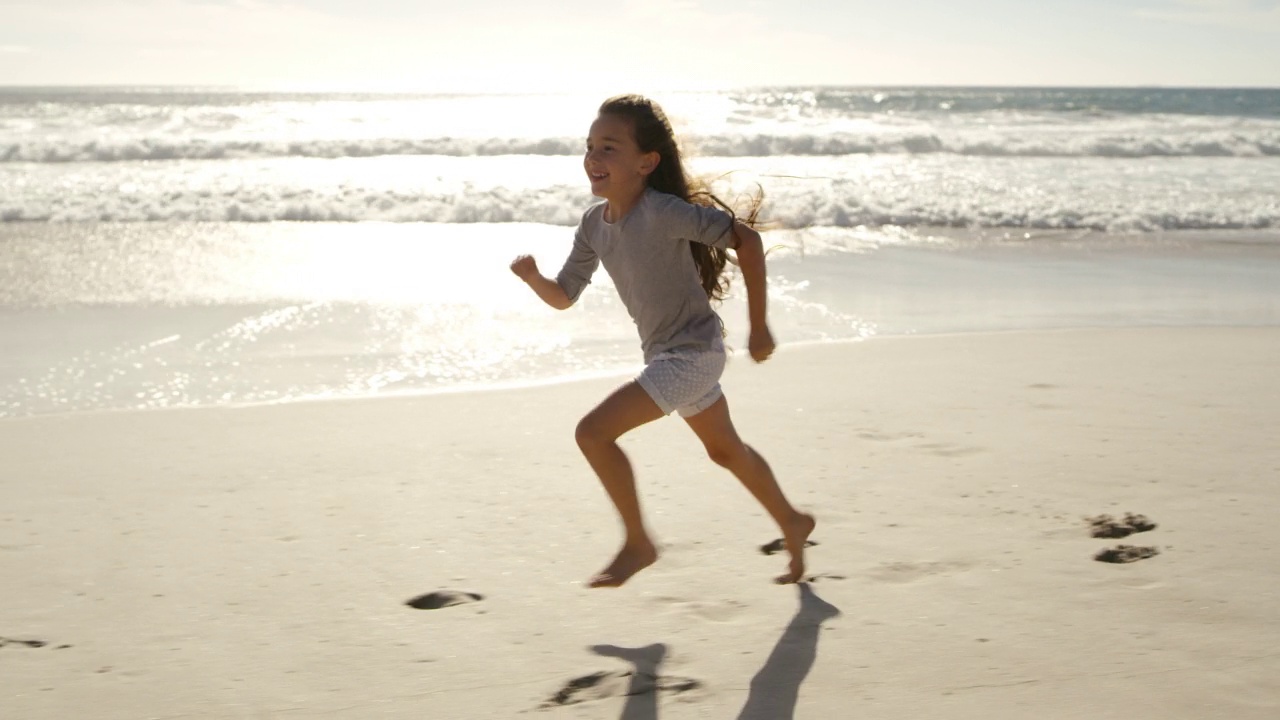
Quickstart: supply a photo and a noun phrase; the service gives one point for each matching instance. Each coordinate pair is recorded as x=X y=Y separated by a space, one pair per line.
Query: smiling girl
x=663 y=244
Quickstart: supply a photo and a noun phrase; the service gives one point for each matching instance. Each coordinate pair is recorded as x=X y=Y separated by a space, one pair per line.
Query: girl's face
x=614 y=163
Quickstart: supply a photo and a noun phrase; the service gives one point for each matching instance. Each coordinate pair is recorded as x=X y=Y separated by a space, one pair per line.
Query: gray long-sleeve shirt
x=646 y=254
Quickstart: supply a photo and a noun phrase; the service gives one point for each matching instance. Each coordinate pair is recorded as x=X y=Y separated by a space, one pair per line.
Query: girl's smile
x=614 y=164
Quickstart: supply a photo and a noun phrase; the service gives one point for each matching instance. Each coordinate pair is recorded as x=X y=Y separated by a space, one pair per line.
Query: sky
x=643 y=45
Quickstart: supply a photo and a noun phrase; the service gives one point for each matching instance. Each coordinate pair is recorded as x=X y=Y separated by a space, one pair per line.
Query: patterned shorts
x=684 y=381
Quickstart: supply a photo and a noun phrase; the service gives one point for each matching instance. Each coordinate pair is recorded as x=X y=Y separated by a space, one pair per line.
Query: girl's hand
x=524 y=267
x=760 y=343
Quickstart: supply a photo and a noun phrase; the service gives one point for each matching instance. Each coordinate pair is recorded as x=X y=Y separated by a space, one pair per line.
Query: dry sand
x=255 y=562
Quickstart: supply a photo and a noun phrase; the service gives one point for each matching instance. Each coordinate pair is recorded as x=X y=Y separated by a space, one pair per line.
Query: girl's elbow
x=559 y=298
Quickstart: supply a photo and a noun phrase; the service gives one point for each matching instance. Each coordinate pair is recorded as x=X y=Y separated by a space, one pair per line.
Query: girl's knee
x=588 y=434
x=727 y=455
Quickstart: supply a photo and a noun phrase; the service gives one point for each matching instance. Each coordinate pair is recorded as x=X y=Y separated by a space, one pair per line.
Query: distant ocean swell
x=1073 y=143
x=1106 y=159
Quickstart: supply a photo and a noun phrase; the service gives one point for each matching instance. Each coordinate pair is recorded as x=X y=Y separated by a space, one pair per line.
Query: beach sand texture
x=256 y=562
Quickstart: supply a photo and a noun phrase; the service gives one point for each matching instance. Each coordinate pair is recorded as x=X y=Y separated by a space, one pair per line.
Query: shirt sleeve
x=578 y=268
x=698 y=223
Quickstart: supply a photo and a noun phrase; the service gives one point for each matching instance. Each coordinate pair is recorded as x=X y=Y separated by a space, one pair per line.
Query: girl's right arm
x=526 y=268
x=750 y=249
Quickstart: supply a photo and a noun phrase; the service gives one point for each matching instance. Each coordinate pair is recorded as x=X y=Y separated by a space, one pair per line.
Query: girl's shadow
x=642 y=696
x=774 y=689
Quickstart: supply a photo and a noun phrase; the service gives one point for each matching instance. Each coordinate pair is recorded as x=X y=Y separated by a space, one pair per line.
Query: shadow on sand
x=642 y=696
x=774 y=689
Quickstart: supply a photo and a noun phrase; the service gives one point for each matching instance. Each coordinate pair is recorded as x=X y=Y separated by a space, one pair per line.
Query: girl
x=665 y=255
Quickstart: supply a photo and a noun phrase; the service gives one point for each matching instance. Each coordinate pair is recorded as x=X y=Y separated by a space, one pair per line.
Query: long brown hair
x=653 y=133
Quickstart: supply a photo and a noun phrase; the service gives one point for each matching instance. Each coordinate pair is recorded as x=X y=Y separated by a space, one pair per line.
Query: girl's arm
x=526 y=268
x=751 y=261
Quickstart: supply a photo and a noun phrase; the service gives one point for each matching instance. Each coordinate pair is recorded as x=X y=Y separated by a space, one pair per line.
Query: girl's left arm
x=750 y=249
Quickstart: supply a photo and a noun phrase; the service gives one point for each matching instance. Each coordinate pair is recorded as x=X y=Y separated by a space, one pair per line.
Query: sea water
x=193 y=247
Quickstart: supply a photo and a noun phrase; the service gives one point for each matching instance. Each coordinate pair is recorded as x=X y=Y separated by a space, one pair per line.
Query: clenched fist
x=760 y=344
x=524 y=267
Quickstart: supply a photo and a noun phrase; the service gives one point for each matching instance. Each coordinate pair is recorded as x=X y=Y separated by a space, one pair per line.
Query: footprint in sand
x=443 y=599
x=32 y=644
x=779 y=545
x=824 y=576
x=1126 y=554
x=619 y=683
x=643 y=678
x=4 y=642
x=1105 y=526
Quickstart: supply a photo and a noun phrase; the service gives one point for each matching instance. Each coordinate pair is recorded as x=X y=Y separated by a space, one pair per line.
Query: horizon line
x=409 y=90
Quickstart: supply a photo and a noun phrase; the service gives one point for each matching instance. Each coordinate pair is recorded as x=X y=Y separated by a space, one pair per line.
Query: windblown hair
x=653 y=133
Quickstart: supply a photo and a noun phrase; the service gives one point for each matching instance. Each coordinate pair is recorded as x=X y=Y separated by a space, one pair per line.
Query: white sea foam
x=1068 y=193
x=977 y=142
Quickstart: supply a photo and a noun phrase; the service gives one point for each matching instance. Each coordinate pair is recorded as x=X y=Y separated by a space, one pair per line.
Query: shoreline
x=622 y=374
x=890 y=235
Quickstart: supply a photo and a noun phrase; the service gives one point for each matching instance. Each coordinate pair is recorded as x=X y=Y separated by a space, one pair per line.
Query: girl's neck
x=619 y=207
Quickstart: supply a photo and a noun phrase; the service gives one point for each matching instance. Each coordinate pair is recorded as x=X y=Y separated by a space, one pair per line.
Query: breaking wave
x=1251 y=143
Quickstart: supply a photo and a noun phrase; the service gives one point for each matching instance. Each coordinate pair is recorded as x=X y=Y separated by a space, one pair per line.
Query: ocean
x=183 y=247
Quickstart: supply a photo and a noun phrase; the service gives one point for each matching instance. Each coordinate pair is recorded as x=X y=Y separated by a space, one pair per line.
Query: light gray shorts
x=682 y=381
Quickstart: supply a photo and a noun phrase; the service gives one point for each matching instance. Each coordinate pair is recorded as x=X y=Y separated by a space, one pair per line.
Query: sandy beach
x=256 y=562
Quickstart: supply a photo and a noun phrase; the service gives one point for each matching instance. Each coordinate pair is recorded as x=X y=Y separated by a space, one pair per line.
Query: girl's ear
x=649 y=162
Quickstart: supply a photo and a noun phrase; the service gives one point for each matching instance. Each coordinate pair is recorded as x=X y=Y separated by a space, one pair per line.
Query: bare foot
x=794 y=536
x=631 y=559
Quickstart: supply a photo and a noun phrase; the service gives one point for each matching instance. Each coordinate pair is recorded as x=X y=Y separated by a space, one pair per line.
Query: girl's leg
x=715 y=429
x=627 y=408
